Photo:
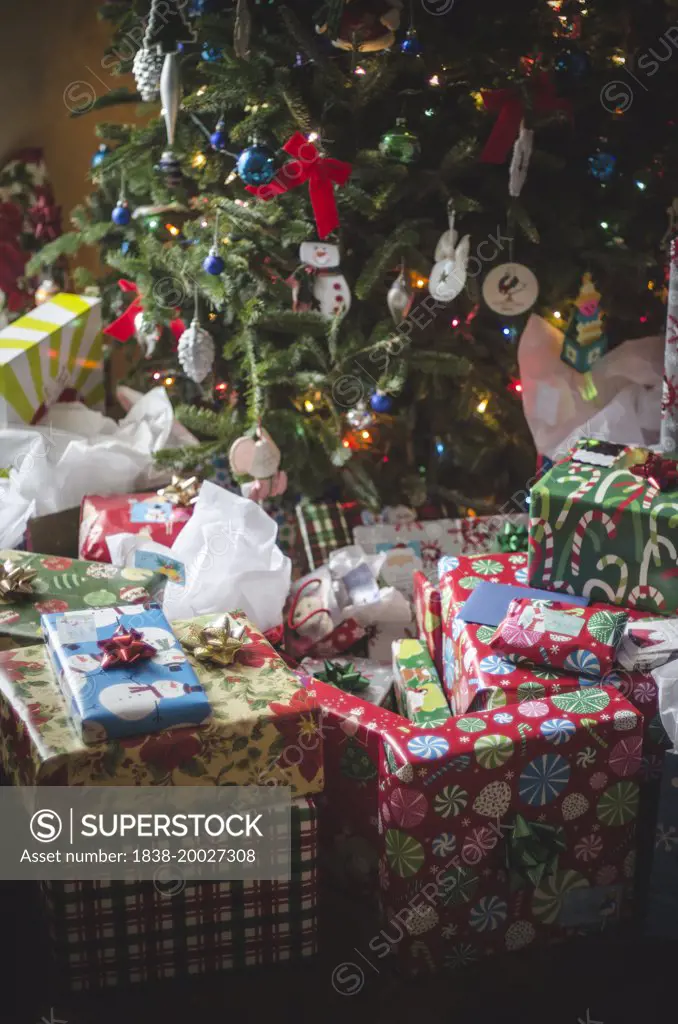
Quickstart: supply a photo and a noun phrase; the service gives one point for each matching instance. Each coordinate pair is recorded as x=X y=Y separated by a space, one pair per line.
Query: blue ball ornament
x=381 y=402
x=121 y=214
x=411 y=45
x=211 y=53
x=602 y=165
x=100 y=155
x=256 y=165
x=213 y=263
x=571 y=62
x=219 y=138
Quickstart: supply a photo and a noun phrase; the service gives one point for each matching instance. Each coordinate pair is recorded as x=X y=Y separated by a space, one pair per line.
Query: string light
x=429 y=112
x=477 y=98
x=455 y=322
x=506 y=331
x=346 y=443
x=482 y=405
x=168 y=382
x=641 y=185
x=604 y=225
x=618 y=58
x=420 y=282
x=153 y=223
x=557 y=314
x=360 y=70
x=203 y=223
x=434 y=80
x=173 y=230
x=650 y=286
x=312 y=136
x=212 y=316
x=308 y=405
x=222 y=386
x=440 y=447
x=156 y=375
x=231 y=177
x=202 y=90
x=365 y=434
x=199 y=160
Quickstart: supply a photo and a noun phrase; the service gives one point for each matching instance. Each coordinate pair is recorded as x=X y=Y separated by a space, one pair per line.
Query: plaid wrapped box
x=264 y=729
x=498 y=831
x=427 y=609
x=147 y=514
x=67 y=584
x=323 y=528
x=105 y=934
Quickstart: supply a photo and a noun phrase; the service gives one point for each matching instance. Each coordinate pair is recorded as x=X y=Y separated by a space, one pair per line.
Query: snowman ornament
x=330 y=288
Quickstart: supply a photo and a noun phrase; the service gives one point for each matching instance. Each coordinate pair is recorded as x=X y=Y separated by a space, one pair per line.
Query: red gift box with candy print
x=495 y=832
x=148 y=514
x=428 y=614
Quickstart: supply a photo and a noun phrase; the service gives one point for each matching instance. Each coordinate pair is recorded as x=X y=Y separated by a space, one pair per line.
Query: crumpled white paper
x=626 y=410
x=666 y=679
x=76 y=451
x=230 y=556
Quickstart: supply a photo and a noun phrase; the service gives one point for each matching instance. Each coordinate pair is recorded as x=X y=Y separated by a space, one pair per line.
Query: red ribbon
x=509 y=106
x=122 y=329
x=321 y=172
x=125 y=647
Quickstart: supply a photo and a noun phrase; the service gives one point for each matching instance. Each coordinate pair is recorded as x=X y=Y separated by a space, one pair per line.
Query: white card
x=77 y=628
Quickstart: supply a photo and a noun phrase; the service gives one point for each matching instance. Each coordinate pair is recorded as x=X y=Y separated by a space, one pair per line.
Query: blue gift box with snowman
x=110 y=698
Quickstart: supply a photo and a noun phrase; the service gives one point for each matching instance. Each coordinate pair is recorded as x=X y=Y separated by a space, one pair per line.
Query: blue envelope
x=488 y=604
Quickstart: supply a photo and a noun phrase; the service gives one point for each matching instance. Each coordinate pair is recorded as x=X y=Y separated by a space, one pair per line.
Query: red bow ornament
x=321 y=172
x=661 y=473
x=46 y=218
x=123 y=328
x=125 y=647
x=509 y=106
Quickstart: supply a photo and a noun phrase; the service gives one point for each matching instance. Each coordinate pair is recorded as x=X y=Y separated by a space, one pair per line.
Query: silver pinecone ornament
x=196 y=352
x=147 y=67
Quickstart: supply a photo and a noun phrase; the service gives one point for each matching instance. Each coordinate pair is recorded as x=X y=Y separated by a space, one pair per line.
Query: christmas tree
x=378 y=355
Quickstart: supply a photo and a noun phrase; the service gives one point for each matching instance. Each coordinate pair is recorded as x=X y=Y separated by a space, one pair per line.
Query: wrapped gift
x=418 y=546
x=323 y=528
x=123 y=672
x=265 y=728
x=560 y=635
x=104 y=934
x=603 y=525
x=428 y=614
x=497 y=831
x=61 y=584
x=419 y=695
x=361 y=677
x=150 y=514
x=52 y=354
x=662 y=913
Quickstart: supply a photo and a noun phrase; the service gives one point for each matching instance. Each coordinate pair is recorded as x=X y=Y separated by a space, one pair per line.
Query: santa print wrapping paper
x=150 y=695
x=104 y=934
x=265 y=729
x=440 y=808
x=560 y=635
x=427 y=609
x=477 y=678
x=146 y=514
x=67 y=584
x=418 y=691
x=606 y=533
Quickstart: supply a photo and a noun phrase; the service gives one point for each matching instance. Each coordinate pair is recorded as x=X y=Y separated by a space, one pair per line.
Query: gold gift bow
x=16 y=582
x=219 y=642
x=182 y=491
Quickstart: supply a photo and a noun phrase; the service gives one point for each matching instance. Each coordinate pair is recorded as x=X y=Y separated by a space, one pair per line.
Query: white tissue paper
x=626 y=410
x=76 y=451
x=230 y=558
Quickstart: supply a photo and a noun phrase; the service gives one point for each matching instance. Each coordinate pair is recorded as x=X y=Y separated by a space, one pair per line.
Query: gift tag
x=151 y=512
x=169 y=567
x=77 y=628
x=598 y=453
x=510 y=289
x=562 y=623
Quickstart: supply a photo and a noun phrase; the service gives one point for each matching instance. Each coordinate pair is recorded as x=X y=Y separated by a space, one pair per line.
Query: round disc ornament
x=510 y=289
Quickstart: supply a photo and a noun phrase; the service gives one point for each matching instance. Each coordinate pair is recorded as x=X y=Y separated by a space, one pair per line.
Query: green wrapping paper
x=604 y=531
x=418 y=691
x=68 y=584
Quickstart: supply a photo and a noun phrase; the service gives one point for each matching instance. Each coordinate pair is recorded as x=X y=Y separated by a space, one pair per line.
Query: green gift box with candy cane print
x=53 y=353
x=604 y=524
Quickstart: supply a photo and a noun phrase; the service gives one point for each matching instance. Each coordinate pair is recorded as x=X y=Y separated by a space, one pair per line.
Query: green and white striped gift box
x=54 y=351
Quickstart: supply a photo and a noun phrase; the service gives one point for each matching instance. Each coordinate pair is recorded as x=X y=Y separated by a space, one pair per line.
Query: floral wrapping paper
x=436 y=809
x=67 y=584
x=427 y=610
x=146 y=514
x=476 y=677
x=264 y=729
x=602 y=531
x=556 y=634
x=419 y=695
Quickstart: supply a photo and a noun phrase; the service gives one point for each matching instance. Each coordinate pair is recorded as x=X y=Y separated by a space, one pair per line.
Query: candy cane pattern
x=589 y=724
x=594 y=516
x=524 y=729
x=614 y=596
x=651 y=493
x=587 y=484
x=609 y=480
x=547 y=570
x=562 y=587
x=645 y=593
x=654 y=532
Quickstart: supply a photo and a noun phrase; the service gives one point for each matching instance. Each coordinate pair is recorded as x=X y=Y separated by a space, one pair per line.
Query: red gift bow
x=122 y=329
x=663 y=473
x=509 y=106
x=125 y=647
x=321 y=172
x=46 y=217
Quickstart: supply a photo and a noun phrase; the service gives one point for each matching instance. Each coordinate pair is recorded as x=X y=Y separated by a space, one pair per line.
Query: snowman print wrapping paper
x=151 y=695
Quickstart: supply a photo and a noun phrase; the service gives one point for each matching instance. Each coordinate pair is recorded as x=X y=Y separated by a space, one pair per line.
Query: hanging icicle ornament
x=400 y=297
x=121 y=214
x=196 y=349
x=167 y=29
x=213 y=263
x=520 y=162
x=147 y=67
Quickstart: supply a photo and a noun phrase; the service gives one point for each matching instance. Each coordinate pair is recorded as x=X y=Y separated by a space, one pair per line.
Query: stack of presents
x=467 y=713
